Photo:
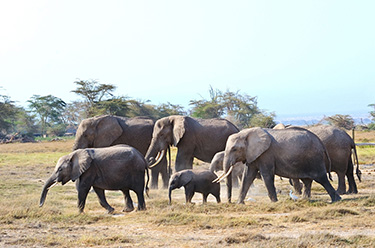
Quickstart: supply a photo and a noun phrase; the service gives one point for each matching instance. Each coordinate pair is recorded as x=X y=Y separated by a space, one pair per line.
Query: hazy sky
x=300 y=58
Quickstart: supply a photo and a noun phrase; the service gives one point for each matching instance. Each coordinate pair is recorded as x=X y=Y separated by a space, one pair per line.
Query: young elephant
x=195 y=181
x=118 y=167
x=217 y=165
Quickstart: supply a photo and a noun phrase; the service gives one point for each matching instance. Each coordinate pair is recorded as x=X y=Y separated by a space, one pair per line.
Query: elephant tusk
x=53 y=185
x=226 y=175
x=158 y=158
x=223 y=176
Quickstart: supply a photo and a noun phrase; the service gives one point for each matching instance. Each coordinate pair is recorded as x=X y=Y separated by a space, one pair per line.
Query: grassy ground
x=259 y=223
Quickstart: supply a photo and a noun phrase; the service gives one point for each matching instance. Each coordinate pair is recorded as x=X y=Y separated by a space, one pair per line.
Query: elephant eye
x=59 y=169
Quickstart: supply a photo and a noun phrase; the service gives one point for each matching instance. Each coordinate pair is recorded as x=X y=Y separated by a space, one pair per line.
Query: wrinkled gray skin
x=290 y=153
x=217 y=165
x=118 y=167
x=195 y=181
x=339 y=146
x=107 y=130
x=194 y=138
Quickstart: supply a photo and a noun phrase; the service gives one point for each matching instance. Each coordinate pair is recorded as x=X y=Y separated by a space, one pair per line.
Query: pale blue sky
x=300 y=58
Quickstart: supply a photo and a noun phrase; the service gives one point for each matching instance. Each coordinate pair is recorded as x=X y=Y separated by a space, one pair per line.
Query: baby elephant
x=118 y=167
x=195 y=181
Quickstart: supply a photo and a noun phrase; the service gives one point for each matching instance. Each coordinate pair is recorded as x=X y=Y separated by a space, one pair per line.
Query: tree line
x=50 y=115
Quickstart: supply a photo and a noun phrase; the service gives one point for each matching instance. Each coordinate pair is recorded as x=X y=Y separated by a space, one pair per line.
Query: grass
x=258 y=223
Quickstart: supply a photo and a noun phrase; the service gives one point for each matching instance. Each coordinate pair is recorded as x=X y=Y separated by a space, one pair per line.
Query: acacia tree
x=239 y=108
x=49 y=110
x=93 y=93
x=343 y=121
x=372 y=113
x=7 y=114
x=211 y=108
x=167 y=109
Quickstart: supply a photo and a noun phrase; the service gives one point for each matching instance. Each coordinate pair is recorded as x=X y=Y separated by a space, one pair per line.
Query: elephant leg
x=341 y=189
x=184 y=160
x=323 y=180
x=205 y=195
x=297 y=185
x=165 y=173
x=249 y=175
x=189 y=193
x=350 y=175
x=217 y=196
x=307 y=190
x=154 y=177
x=235 y=180
x=103 y=201
x=82 y=195
x=128 y=201
x=141 y=200
x=269 y=181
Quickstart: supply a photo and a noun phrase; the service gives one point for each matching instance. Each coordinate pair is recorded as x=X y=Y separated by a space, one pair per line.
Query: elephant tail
x=358 y=171
x=328 y=161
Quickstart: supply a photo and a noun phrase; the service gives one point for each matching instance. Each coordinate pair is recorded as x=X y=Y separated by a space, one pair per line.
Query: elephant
x=194 y=138
x=217 y=164
x=119 y=167
x=340 y=147
x=195 y=181
x=108 y=130
x=289 y=153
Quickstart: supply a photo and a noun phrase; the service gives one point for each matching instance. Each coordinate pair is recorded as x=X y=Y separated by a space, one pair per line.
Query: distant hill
x=305 y=121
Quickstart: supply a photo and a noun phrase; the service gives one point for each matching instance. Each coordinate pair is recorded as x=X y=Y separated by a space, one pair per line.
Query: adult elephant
x=108 y=130
x=339 y=146
x=290 y=153
x=194 y=138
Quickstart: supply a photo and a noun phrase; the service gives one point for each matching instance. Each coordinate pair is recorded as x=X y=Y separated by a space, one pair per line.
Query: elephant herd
x=115 y=153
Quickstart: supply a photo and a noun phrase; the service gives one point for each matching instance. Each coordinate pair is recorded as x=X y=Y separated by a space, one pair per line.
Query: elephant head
x=98 y=131
x=167 y=131
x=245 y=146
x=178 y=180
x=68 y=167
x=217 y=162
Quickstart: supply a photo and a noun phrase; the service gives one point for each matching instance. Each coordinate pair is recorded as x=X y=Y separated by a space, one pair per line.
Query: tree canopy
x=51 y=115
x=240 y=108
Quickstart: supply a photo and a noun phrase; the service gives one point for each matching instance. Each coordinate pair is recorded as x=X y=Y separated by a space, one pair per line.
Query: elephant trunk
x=50 y=182
x=151 y=153
x=170 y=195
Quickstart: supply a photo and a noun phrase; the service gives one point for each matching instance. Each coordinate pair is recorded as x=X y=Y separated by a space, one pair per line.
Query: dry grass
x=259 y=223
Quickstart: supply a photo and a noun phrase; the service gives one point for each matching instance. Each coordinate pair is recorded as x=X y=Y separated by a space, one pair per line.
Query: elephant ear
x=258 y=141
x=107 y=131
x=179 y=126
x=186 y=177
x=80 y=161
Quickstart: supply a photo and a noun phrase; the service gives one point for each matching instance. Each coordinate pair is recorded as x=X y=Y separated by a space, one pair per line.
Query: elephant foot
x=110 y=210
x=352 y=192
x=340 y=192
x=152 y=186
x=128 y=209
x=336 y=198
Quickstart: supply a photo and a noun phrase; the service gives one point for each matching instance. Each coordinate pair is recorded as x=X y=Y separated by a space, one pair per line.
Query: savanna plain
x=259 y=223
